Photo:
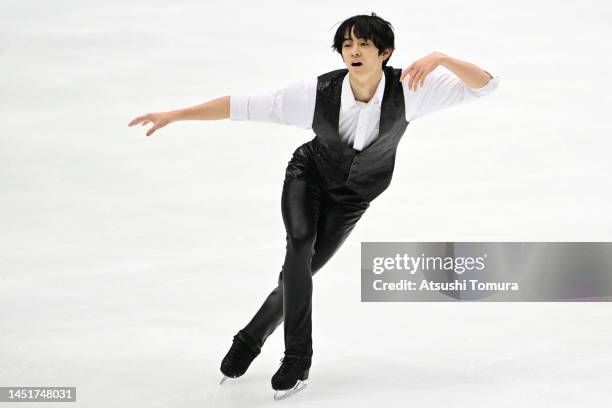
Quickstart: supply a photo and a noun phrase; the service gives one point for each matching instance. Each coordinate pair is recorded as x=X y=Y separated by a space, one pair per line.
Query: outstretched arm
x=427 y=89
x=469 y=73
x=215 y=109
x=293 y=105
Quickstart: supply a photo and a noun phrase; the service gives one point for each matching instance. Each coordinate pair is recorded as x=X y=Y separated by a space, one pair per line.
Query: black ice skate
x=238 y=359
x=291 y=376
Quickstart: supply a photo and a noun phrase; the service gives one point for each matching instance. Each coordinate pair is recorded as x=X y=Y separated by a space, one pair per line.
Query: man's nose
x=354 y=51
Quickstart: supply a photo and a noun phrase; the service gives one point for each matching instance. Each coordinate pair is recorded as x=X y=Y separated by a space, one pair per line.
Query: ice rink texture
x=127 y=263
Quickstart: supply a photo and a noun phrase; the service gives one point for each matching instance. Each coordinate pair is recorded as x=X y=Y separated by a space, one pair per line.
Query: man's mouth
x=356 y=64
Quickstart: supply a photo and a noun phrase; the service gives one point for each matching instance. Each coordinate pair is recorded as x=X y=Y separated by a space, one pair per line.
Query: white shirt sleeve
x=442 y=89
x=293 y=105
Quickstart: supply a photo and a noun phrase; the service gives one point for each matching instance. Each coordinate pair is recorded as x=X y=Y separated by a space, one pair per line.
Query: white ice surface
x=127 y=263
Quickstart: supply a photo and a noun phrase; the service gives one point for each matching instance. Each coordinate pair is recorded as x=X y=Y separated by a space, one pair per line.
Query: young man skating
x=358 y=115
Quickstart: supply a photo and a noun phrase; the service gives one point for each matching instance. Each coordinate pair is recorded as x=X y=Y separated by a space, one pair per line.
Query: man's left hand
x=419 y=69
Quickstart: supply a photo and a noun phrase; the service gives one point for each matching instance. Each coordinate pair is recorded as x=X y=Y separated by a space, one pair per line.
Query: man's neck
x=364 y=87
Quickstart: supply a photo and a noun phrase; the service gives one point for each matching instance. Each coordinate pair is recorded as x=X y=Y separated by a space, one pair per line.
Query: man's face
x=361 y=56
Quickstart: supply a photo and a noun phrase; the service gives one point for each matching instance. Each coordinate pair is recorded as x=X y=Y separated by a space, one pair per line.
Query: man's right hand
x=159 y=120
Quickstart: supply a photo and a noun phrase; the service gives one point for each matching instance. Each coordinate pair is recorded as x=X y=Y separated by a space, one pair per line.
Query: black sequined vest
x=368 y=172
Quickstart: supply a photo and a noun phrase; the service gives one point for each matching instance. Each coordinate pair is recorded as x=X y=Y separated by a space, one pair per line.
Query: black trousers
x=317 y=219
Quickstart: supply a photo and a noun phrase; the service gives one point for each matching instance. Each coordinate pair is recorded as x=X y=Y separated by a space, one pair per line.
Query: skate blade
x=282 y=394
x=228 y=380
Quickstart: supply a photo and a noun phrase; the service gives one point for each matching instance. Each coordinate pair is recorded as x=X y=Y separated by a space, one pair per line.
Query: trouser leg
x=335 y=222
x=301 y=203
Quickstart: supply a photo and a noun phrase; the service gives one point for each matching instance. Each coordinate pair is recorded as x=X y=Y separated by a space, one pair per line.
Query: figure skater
x=358 y=115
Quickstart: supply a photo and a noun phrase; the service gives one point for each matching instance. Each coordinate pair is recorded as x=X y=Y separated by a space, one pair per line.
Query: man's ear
x=387 y=53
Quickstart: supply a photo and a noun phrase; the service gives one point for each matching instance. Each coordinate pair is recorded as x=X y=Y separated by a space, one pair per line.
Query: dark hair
x=367 y=27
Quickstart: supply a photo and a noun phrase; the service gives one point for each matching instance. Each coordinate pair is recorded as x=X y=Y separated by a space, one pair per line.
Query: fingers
x=152 y=130
x=411 y=73
x=405 y=72
x=160 y=124
x=418 y=71
x=414 y=80
x=144 y=118
x=417 y=76
x=147 y=119
x=424 y=75
x=417 y=79
x=411 y=82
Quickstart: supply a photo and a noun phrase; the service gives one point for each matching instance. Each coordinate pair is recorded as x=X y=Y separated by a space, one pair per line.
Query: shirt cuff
x=239 y=107
x=488 y=89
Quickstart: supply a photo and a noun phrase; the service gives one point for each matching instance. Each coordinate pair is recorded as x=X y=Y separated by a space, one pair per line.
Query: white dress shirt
x=359 y=121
